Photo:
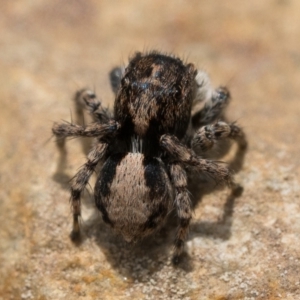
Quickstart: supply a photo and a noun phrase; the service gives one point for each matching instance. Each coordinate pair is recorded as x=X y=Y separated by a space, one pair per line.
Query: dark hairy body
x=146 y=146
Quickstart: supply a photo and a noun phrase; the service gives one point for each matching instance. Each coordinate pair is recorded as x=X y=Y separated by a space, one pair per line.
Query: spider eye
x=223 y=93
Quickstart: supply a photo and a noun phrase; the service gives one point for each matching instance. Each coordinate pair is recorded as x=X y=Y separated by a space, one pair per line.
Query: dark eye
x=157 y=74
x=222 y=95
x=177 y=93
x=145 y=85
x=148 y=72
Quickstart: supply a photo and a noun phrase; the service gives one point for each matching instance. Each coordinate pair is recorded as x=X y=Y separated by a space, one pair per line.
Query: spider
x=147 y=146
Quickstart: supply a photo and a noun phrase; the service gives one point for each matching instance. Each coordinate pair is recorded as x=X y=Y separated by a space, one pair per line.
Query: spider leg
x=79 y=182
x=103 y=132
x=115 y=77
x=180 y=157
x=63 y=130
x=183 y=207
x=207 y=136
x=212 y=109
x=87 y=98
x=180 y=153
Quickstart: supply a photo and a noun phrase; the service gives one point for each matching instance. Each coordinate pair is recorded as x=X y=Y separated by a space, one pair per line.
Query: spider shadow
x=60 y=176
x=221 y=229
x=135 y=261
x=62 y=179
x=131 y=260
x=147 y=257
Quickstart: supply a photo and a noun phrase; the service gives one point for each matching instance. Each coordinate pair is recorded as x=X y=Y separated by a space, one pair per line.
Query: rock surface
x=49 y=49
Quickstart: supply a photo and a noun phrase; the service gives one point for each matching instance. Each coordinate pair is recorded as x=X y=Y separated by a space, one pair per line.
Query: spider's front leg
x=66 y=129
x=104 y=133
x=213 y=109
x=115 y=77
x=205 y=138
x=180 y=153
x=86 y=98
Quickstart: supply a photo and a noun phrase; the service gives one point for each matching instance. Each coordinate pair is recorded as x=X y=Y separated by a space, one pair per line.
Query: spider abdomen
x=134 y=194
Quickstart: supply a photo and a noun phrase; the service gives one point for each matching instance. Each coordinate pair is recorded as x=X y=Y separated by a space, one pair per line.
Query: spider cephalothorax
x=146 y=146
x=155 y=96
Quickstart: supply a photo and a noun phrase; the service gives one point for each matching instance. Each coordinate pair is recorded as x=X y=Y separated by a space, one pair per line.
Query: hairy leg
x=213 y=108
x=87 y=98
x=115 y=77
x=207 y=136
x=63 y=130
x=79 y=182
x=180 y=153
x=183 y=207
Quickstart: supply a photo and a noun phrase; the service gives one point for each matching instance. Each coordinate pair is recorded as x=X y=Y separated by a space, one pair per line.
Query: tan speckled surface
x=49 y=49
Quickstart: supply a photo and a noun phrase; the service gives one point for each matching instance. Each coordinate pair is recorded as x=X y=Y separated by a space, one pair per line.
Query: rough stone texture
x=49 y=49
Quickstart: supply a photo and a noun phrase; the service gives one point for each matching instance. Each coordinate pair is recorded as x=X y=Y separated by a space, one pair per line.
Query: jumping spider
x=149 y=144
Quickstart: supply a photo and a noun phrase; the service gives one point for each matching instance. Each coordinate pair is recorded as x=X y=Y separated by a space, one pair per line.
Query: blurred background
x=50 y=49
